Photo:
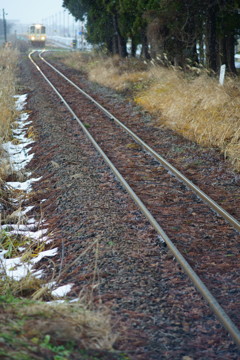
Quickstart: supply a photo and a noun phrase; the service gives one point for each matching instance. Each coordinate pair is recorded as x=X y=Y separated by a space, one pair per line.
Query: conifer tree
x=182 y=31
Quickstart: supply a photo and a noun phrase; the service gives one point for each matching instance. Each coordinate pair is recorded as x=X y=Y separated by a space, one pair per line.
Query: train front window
x=43 y=30
x=32 y=29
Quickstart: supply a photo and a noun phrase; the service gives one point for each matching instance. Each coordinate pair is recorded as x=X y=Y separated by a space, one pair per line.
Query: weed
x=11 y=243
x=86 y=125
x=60 y=351
x=111 y=243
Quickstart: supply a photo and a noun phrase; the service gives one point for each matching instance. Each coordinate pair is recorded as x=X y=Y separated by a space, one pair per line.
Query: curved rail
x=217 y=208
x=200 y=286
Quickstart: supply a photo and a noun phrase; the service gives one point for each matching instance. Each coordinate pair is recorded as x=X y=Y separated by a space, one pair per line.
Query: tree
x=181 y=30
x=174 y=29
x=102 y=22
x=196 y=30
x=228 y=29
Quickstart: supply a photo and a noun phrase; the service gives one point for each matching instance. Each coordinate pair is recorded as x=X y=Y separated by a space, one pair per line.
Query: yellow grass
x=198 y=108
x=112 y=72
x=8 y=62
x=117 y=74
x=71 y=323
x=194 y=105
x=113 y=79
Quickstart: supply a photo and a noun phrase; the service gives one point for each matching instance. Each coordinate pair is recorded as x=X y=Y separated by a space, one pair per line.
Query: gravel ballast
x=107 y=249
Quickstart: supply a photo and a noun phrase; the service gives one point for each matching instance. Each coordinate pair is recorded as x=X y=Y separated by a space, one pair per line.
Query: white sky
x=30 y=11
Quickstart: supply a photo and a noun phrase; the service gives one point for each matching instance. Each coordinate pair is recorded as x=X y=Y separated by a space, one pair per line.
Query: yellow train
x=37 y=35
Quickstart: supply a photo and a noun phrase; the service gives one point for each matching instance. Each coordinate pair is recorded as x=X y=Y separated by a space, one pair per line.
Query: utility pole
x=4 y=26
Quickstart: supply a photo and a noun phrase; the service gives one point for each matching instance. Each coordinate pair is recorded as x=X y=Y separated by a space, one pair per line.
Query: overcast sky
x=30 y=11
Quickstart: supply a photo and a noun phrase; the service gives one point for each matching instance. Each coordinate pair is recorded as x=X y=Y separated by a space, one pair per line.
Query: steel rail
x=214 y=206
x=200 y=286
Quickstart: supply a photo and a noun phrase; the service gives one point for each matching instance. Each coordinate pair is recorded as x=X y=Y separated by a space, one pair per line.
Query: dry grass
x=28 y=287
x=5 y=166
x=113 y=72
x=118 y=81
x=82 y=325
x=70 y=323
x=194 y=105
x=117 y=73
x=198 y=108
x=8 y=63
x=33 y=330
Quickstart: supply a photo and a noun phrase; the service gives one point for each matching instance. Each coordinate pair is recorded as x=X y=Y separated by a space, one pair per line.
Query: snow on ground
x=21 y=101
x=62 y=290
x=14 y=267
x=19 y=156
x=24 y=186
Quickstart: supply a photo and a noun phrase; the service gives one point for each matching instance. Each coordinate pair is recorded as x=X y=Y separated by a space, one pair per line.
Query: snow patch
x=23 y=186
x=17 y=268
x=62 y=290
x=19 y=157
x=43 y=254
x=20 y=101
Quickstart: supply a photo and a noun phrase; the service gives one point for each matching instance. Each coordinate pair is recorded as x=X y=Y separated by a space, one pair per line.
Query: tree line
x=174 y=31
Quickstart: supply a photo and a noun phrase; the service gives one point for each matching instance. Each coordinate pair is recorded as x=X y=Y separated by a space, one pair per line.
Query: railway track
x=154 y=185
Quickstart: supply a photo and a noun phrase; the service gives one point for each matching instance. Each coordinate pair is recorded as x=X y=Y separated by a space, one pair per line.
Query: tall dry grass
x=114 y=72
x=193 y=104
x=8 y=63
x=119 y=74
x=198 y=108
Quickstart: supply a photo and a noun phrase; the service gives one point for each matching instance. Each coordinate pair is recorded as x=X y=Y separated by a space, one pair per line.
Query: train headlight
x=32 y=37
x=43 y=38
